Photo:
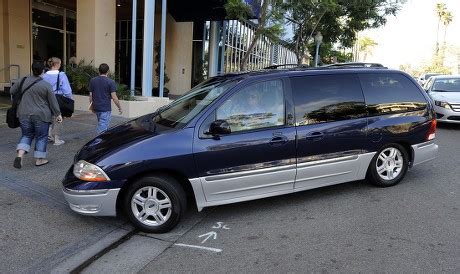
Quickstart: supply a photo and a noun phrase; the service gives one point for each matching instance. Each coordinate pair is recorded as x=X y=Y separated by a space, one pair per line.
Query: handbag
x=66 y=105
x=11 y=114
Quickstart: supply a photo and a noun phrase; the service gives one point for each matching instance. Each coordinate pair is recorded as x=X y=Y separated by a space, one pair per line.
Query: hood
x=449 y=97
x=119 y=137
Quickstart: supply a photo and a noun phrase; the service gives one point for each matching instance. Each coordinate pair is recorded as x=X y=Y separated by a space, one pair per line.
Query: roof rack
x=355 y=65
x=287 y=65
x=331 y=66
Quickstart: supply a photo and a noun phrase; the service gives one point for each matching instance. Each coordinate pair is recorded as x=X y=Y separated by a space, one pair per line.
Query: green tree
x=269 y=21
x=338 y=20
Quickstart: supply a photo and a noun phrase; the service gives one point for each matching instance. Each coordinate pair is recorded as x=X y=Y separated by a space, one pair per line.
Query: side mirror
x=219 y=127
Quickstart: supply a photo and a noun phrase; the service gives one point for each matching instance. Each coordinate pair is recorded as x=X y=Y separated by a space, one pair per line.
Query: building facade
x=198 y=40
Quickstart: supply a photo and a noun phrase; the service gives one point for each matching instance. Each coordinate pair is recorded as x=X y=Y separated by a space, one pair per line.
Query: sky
x=410 y=36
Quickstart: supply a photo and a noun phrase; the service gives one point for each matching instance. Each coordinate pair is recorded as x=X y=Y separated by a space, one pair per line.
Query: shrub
x=80 y=75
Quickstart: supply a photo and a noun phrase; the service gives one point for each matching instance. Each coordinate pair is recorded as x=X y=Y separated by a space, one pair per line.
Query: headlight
x=442 y=104
x=89 y=172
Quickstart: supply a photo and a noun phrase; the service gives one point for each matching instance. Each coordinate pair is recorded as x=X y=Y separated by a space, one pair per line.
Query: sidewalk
x=37 y=228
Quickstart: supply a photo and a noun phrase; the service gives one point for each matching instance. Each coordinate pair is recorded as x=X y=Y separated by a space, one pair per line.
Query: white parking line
x=217 y=250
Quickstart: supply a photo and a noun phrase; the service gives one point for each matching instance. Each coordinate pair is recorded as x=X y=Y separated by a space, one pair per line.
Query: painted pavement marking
x=217 y=250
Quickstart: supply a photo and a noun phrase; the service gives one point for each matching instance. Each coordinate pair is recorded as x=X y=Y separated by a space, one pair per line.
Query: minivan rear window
x=327 y=98
x=387 y=93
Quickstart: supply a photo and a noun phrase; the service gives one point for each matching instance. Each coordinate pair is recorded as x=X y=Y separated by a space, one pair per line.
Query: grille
x=455 y=118
x=455 y=107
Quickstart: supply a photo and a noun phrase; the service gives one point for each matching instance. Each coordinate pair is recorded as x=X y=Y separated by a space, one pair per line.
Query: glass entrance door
x=53 y=32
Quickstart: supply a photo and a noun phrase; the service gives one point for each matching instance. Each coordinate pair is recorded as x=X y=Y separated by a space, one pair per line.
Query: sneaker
x=59 y=142
x=50 y=139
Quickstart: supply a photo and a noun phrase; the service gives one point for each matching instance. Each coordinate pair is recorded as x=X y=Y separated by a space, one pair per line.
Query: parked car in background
x=445 y=92
x=424 y=77
x=246 y=136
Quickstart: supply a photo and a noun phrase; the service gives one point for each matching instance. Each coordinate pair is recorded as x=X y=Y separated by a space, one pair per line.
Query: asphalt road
x=353 y=227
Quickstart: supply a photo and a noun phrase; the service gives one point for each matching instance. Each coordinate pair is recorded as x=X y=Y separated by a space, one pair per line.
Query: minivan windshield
x=446 y=85
x=186 y=107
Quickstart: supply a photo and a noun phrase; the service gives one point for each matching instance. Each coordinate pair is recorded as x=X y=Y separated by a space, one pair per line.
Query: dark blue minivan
x=252 y=135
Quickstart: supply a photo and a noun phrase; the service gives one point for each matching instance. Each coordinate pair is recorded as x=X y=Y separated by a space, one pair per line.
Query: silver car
x=425 y=77
x=445 y=92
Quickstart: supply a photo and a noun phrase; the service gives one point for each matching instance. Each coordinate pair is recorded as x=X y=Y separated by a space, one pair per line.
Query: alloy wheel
x=151 y=206
x=389 y=164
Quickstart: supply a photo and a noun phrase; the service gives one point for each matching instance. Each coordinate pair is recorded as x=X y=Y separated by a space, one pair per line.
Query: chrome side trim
x=85 y=192
x=247 y=173
x=324 y=176
x=93 y=202
x=424 y=152
x=424 y=144
x=200 y=198
x=362 y=162
x=245 y=198
x=328 y=161
x=253 y=187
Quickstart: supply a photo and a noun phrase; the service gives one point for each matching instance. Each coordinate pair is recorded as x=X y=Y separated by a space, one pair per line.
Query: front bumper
x=100 y=202
x=447 y=115
x=424 y=152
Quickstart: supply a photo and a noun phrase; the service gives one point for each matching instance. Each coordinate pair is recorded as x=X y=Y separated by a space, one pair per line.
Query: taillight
x=432 y=131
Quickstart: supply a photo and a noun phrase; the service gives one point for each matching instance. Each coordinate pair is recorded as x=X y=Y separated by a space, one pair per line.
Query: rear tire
x=155 y=204
x=389 y=166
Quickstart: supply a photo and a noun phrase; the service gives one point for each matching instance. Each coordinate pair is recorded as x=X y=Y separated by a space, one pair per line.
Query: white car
x=445 y=92
x=424 y=78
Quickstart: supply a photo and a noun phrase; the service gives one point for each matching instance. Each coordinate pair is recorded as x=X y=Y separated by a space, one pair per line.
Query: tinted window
x=327 y=98
x=185 y=108
x=391 y=93
x=257 y=106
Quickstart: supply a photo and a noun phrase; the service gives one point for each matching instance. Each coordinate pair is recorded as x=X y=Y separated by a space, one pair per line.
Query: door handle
x=316 y=135
x=278 y=140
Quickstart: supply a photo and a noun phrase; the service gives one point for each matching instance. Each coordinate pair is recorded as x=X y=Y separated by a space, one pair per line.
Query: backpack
x=65 y=104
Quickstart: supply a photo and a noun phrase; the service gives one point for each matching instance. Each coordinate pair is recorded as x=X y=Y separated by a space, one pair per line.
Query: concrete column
x=147 y=65
x=162 y=47
x=213 y=48
x=133 y=47
x=96 y=31
x=16 y=38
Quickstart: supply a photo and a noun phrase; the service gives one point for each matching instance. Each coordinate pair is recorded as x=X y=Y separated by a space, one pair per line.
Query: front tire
x=389 y=166
x=155 y=204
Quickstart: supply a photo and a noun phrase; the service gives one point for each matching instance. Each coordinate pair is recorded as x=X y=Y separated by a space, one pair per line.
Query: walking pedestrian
x=102 y=90
x=60 y=85
x=35 y=113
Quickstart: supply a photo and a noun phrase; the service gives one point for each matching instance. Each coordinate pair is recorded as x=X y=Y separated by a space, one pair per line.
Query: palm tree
x=440 y=11
x=446 y=20
x=365 y=46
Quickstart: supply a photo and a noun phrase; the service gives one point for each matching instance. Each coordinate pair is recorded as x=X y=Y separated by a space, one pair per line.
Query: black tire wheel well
x=182 y=179
x=374 y=178
x=147 y=215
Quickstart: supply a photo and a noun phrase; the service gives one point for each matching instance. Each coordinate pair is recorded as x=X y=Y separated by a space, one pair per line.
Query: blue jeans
x=34 y=128
x=103 y=119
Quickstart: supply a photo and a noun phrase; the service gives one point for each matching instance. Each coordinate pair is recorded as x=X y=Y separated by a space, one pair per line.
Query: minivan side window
x=327 y=98
x=256 y=106
x=387 y=93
